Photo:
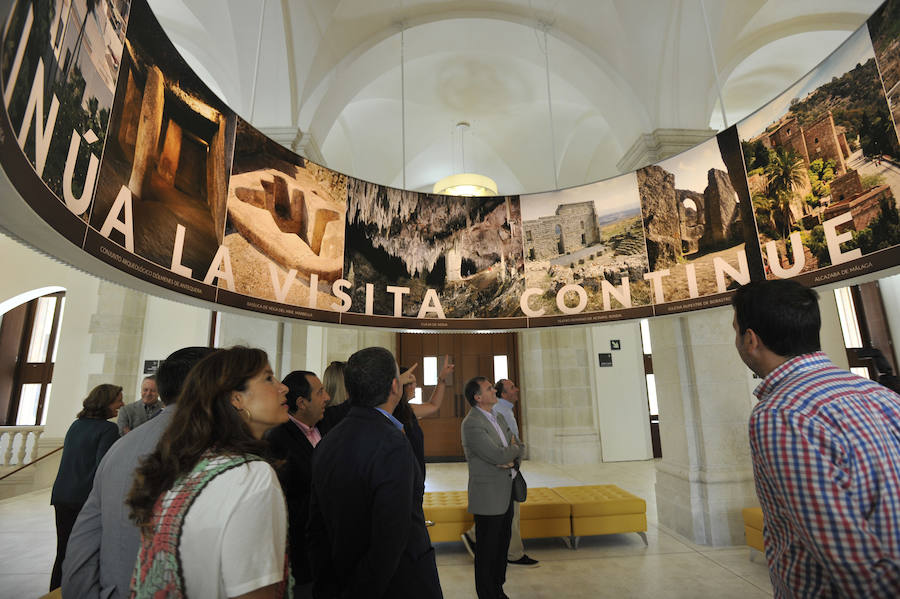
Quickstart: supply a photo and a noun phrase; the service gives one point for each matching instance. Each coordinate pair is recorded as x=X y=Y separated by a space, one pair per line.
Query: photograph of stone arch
x=467 y=249
x=583 y=236
x=823 y=162
x=169 y=154
x=695 y=227
x=77 y=47
x=285 y=224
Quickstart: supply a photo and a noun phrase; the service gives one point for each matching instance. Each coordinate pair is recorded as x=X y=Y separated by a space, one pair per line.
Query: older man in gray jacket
x=492 y=453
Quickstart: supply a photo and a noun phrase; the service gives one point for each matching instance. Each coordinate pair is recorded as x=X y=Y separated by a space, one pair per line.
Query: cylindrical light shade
x=466 y=184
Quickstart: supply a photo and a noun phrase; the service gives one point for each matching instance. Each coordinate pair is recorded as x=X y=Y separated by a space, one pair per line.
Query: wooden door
x=473 y=355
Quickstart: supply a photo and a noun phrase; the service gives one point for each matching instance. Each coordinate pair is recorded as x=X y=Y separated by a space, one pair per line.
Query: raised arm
x=433 y=405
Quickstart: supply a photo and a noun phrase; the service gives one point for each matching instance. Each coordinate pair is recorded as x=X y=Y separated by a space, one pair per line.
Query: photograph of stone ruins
x=469 y=250
x=582 y=236
x=285 y=223
x=831 y=148
x=692 y=217
x=168 y=145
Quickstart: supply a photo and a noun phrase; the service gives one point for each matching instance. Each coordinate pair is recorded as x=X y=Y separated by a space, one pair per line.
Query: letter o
x=561 y=296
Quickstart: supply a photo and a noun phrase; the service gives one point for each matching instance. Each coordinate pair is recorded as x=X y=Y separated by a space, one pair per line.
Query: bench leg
x=644 y=538
x=567 y=541
x=575 y=541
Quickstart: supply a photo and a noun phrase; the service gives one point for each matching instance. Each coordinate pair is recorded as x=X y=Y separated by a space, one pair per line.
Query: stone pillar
x=171 y=153
x=148 y=130
x=649 y=148
x=216 y=182
x=116 y=333
x=559 y=416
x=704 y=390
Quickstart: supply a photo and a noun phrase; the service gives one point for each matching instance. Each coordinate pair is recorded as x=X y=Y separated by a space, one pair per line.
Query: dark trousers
x=66 y=514
x=492 y=534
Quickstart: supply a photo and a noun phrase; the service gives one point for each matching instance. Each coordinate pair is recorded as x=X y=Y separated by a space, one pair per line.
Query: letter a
x=125 y=227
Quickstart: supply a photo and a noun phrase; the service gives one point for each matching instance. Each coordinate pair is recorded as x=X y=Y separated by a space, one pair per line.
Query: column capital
x=649 y=148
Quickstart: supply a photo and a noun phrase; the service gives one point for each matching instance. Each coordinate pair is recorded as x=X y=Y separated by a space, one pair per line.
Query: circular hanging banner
x=118 y=146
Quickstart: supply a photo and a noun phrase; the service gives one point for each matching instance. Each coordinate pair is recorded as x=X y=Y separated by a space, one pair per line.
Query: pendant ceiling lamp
x=463 y=183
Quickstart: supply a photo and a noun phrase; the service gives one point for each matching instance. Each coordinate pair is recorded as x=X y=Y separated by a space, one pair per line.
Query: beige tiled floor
x=605 y=566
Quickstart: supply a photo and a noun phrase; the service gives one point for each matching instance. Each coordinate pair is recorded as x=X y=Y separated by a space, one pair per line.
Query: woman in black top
x=86 y=442
x=409 y=413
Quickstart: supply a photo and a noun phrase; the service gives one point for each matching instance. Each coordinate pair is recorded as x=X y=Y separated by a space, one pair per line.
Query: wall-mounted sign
x=615 y=344
x=605 y=360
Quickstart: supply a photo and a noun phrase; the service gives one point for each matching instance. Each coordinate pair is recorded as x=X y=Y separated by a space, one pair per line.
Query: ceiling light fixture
x=463 y=183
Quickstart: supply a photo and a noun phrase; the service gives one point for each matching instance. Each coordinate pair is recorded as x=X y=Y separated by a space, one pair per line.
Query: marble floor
x=605 y=566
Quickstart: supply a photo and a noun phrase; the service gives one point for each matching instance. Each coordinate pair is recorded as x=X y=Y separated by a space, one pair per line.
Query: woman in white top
x=210 y=509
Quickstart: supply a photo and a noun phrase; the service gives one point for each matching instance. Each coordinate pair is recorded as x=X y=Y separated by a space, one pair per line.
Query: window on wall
x=28 y=343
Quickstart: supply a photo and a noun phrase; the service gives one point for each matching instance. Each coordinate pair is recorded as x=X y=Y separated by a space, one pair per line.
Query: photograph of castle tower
x=432 y=256
x=694 y=222
x=59 y=66
x=823 y=165
x=164 y=176
x=589 y=236
x=285 y=225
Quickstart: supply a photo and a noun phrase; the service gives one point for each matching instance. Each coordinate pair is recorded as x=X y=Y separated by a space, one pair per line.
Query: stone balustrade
x=18 y=444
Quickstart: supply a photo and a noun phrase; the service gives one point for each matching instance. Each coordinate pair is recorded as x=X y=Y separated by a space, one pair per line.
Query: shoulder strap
x=158 y=571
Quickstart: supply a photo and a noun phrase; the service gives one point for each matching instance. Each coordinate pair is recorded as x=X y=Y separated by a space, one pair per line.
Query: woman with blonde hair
x=210 y=509
x=86 y=442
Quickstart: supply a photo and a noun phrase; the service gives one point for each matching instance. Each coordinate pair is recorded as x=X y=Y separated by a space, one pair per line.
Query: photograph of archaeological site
x=164 y=175
x=695 y=228
x=823 y=164
x=285 y=225
x=884 y=30
x=456 y=256
x=589 y=236
x=72 y=52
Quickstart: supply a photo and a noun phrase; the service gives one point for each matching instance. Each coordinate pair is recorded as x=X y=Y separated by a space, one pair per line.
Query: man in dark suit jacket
x=366 y=529
x=294 y=442
x=492 y=453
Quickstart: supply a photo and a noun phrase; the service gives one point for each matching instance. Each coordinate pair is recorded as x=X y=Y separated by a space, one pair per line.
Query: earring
x=246 y=414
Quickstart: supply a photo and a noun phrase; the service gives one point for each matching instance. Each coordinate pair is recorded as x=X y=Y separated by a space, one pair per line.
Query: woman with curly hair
x=85 y=444
x=211 y=512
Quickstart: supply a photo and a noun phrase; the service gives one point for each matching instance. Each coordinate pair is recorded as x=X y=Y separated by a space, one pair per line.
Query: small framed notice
x=615 y=344
x=605 y=360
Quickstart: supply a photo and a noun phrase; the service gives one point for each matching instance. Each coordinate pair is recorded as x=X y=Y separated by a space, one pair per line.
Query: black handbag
x=520 y=488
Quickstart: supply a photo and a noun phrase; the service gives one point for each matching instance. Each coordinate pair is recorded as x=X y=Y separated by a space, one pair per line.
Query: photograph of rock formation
x=693 y=222
x=71 y=53
x=822 y=165
x=584 y=236
x=468 y=250
x=884 y=30
x=285 y=225
x=164 y=175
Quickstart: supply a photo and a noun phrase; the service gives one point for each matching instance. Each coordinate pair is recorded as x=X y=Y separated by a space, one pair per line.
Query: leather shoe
x=524 y=561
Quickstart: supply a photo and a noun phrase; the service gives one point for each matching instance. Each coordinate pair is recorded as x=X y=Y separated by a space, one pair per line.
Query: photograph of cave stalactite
x=469 y=250
x=694 y=224
x=825 y=149
x=285 y=222
x=169 y=155
x=78 y=47
x=583 y=236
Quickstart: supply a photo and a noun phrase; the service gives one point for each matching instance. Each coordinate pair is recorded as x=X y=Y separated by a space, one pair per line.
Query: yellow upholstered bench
x=447 y=509
x=753 y=528
x=544 y=514
x=604 y=510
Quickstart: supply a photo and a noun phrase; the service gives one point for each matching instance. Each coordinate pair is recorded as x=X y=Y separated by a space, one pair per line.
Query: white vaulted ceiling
x=325 y=76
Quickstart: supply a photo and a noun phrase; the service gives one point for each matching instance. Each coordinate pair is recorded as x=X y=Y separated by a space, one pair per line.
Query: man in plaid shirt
x=826 y=453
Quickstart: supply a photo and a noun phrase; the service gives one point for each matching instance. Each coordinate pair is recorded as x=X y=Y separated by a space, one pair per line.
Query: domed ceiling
x=558 y=93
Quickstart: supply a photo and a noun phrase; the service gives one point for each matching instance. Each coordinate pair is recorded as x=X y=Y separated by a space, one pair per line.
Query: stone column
x=556 y=396
x=703 y=389
x=148 y=131
x=116 y=331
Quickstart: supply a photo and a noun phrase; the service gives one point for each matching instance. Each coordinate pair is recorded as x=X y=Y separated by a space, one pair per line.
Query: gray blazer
x=134 y=414
x=104 y=543
x=489 y=485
